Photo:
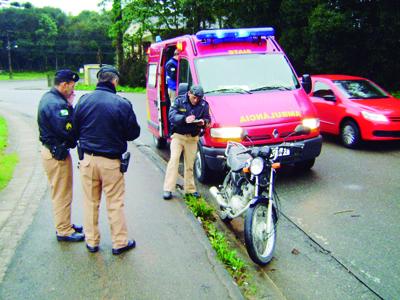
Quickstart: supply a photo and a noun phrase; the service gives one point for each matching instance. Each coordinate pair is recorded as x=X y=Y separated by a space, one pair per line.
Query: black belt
x=51 y=147
x=106 y=155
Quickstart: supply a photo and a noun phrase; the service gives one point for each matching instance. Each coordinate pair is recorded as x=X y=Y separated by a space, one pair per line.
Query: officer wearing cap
x=104 y=122
x=188 y=115
x=54 y=118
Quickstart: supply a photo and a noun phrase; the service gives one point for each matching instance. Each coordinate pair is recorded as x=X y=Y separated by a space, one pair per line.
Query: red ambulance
x=250 y=86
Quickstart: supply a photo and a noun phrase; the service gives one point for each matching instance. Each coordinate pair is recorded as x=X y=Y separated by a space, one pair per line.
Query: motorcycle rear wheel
x=260 y=232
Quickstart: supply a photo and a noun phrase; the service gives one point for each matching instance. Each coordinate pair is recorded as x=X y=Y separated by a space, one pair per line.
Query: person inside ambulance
x=171 y=75
x=189 y=115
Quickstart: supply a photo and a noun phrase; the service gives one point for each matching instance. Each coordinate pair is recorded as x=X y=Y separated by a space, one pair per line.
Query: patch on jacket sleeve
x=64 y=112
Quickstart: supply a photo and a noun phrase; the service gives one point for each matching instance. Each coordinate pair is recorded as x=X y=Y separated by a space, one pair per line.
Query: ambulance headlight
x=227 y=133
x=257 y=166
x=312 y=123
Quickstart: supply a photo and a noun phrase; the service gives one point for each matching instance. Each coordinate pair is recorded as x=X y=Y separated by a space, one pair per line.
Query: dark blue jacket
x=55 y=120
x=171 y=72
x=104 y=122
x=182 y=108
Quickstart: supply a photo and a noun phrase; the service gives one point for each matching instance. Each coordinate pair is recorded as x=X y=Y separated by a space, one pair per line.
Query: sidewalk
x=173 y=258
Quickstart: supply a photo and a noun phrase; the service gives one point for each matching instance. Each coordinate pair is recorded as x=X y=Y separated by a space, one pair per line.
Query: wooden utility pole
x=9 y=56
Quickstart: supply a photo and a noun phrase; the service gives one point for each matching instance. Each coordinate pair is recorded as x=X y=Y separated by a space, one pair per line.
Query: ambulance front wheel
x=159 y=142
x=201 y=170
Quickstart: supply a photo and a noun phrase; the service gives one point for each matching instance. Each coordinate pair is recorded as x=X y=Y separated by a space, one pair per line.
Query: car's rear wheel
x=350 y=134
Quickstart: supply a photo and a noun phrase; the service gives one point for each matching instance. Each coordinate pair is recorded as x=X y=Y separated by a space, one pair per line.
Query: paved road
x=343 y=220
x=173 y=259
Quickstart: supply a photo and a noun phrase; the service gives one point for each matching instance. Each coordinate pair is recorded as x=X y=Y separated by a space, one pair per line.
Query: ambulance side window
x=151 y=75
x=185 y=76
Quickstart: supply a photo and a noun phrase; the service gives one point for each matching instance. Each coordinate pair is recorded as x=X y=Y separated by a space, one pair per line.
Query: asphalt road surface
x=340 y=231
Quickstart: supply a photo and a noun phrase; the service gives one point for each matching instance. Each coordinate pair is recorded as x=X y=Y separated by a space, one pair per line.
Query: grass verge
x=125 y=89
x=7 y=161
x=23 y=75
x=235 y=266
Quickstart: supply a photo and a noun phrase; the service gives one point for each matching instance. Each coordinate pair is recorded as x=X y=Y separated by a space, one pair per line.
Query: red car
x=355 y=108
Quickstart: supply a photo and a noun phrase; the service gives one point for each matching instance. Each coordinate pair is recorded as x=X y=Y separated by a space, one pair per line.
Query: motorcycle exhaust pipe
x=217 y=196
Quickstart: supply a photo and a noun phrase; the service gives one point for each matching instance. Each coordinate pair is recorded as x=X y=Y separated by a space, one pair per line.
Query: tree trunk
x=117 y=15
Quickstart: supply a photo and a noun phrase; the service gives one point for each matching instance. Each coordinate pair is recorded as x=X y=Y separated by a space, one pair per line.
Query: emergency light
x=234 y=34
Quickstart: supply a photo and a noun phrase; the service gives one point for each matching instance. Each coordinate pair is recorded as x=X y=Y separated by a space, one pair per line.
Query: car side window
x=321 y=89
x=185 y=76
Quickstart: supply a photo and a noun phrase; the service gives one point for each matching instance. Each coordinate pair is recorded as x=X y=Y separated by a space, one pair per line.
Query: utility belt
x=193 y=134
x=106 y=155
x=59 y=152
x=124 y=158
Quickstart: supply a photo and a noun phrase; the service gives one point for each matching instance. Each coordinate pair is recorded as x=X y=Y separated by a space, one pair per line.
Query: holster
x=59 y=152
x=80 y=152
x=125 y=162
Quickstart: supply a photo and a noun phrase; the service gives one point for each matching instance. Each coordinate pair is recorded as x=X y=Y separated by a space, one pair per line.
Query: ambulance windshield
x=247 y=73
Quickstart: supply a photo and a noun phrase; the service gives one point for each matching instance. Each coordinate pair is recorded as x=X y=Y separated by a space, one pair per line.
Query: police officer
x=188 y=115
x=56 y=134
x=171 y=72
x=104 y=122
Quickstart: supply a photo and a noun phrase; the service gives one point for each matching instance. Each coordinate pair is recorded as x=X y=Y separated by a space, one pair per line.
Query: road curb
x=20 y=199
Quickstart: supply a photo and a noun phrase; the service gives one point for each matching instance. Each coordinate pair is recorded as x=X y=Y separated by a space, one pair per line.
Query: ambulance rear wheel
x=160 y=143
x=201 y=170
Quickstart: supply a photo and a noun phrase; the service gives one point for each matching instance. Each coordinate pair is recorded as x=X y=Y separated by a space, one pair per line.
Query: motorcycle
x=249 y=188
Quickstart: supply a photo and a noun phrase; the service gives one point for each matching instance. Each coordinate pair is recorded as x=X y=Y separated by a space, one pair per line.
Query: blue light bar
x=231 y=34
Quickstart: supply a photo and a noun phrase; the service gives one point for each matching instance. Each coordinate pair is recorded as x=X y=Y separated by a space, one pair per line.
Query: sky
x=73 y=7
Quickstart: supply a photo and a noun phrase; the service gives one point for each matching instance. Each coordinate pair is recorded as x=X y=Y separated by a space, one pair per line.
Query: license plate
x=281 y=151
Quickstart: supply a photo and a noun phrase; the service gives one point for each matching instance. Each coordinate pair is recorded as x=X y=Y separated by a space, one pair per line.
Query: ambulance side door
x=184 y=72
x=152 y=96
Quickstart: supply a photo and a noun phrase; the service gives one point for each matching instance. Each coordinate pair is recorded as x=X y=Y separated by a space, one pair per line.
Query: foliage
x=320 y=36
x=125 y=89
x=236 y=267
x=7 y=161
x=229 y=257
x=43 y=39
x=396 y=94
x=199 y=207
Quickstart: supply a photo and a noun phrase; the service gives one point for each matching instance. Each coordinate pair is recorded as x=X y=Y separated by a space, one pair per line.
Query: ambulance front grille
x=394 y=119
x=261 y=137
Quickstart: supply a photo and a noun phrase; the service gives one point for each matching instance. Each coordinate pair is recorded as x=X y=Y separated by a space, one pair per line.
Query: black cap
x=197 y=90
x=66 y=75
x=108 y=68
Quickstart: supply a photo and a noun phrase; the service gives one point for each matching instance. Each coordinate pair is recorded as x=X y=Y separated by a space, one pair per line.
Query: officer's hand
x=190 y=118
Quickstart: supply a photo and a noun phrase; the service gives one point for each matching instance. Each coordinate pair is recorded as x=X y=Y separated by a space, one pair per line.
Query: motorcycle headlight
x=257 y=166
x=374 y=116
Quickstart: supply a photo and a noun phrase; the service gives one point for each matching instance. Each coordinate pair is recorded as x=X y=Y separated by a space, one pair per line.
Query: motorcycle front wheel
x=260 y=232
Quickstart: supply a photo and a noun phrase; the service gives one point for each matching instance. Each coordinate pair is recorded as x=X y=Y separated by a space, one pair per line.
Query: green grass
x=23 y=75
x=7 y=161
x=236 y=267
x=126 y=89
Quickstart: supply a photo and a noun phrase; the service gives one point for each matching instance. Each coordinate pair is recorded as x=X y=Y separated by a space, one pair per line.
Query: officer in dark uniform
x=171 y=73
x=55 y=132
x=188 y=115
x=104 y=122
